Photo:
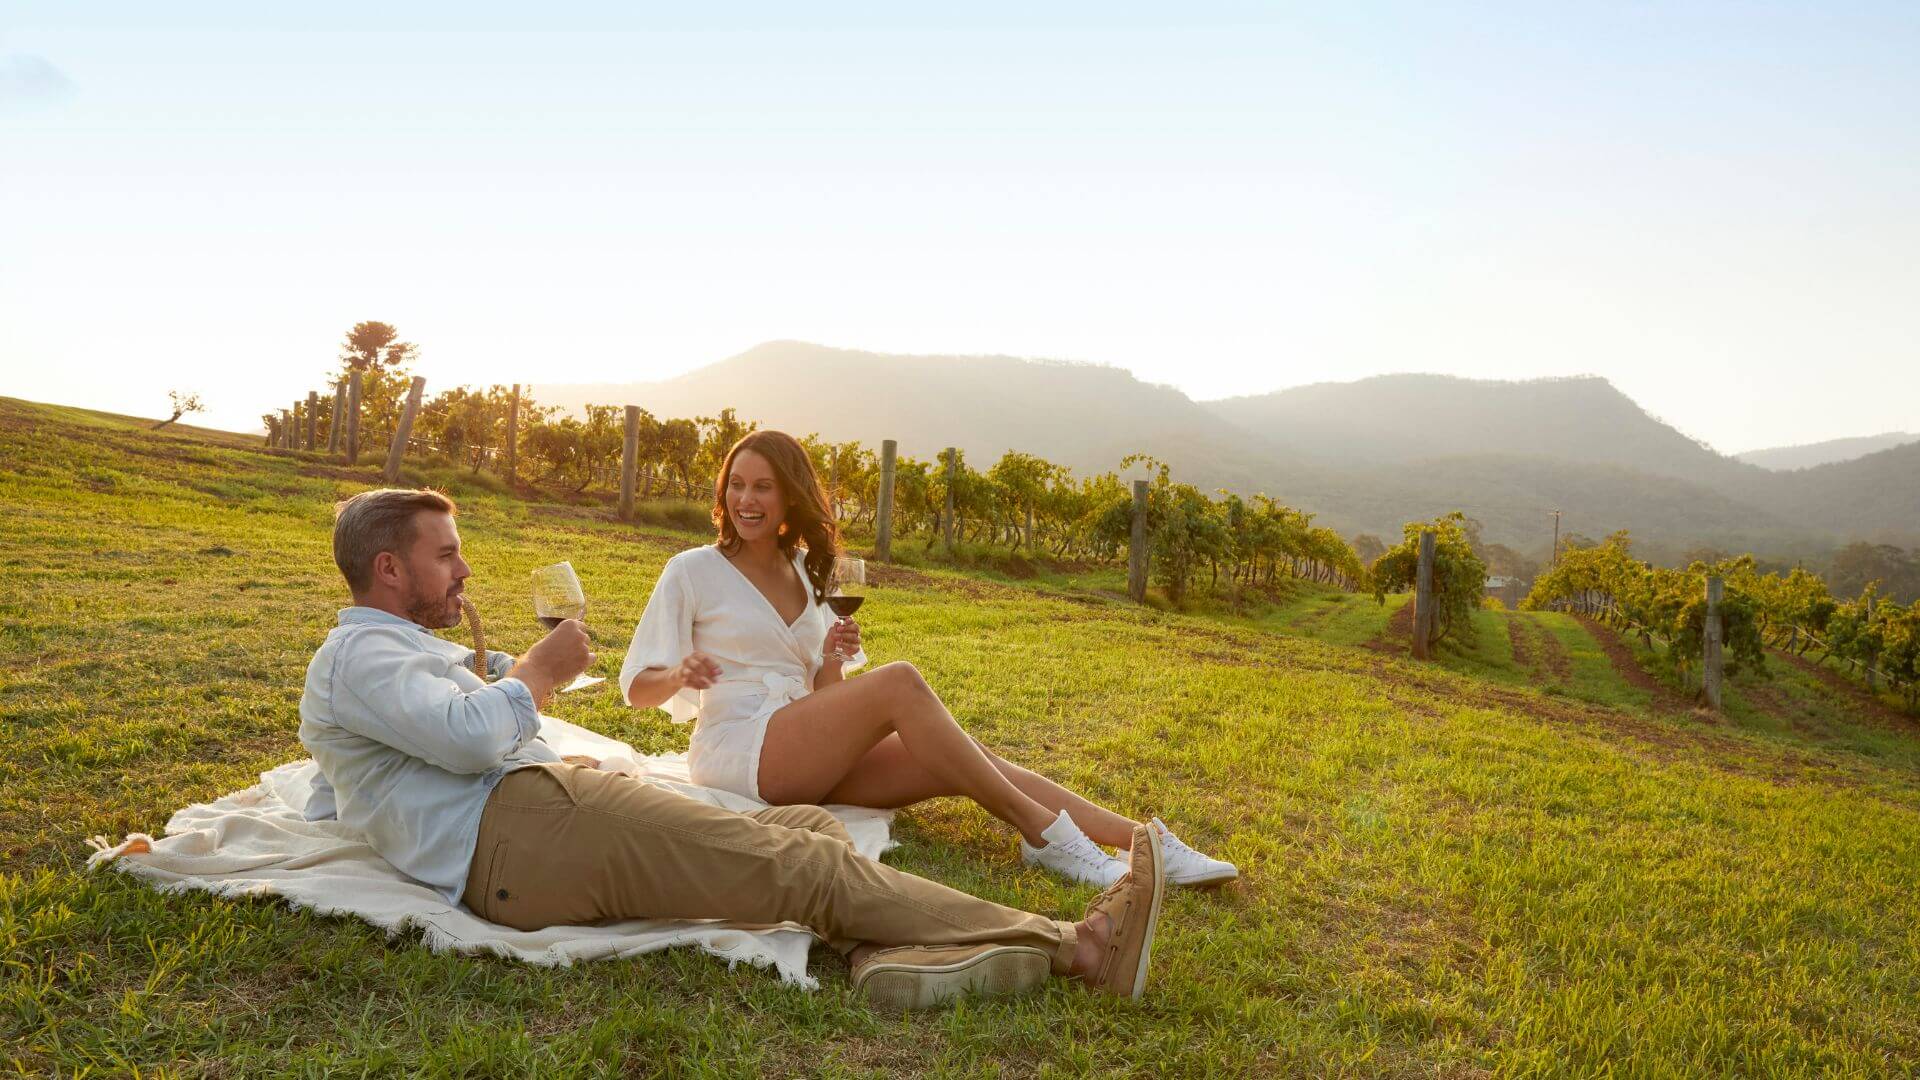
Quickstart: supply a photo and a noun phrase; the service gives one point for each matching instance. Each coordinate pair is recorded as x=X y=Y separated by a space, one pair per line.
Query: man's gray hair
x=376 y=521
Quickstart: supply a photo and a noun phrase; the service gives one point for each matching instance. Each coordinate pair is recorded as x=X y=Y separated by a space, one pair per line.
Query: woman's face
x=755 y=502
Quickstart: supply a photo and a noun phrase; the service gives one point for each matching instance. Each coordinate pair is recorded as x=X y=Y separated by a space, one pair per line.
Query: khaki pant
x=570 y=845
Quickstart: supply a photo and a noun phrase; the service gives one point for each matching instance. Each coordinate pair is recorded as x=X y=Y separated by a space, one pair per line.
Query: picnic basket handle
x=479 y=661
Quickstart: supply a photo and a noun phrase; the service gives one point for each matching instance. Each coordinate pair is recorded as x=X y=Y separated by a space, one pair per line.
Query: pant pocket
x=492 y=881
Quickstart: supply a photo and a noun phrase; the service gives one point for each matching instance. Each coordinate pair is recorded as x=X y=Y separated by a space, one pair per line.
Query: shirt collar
x=367 y=616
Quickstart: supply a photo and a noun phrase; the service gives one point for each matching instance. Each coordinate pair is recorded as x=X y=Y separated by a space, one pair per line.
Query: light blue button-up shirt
x=410 y=742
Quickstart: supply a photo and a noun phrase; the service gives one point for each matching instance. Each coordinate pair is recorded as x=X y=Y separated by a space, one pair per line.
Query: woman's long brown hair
x=806 y=510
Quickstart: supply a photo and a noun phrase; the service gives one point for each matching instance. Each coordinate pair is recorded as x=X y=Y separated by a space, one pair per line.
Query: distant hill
x=1396 y=418
x=1085 y=416
x=1365 y=456
x=1808 y=455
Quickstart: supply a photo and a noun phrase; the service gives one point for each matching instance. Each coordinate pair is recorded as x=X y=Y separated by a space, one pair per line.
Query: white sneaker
x=1069 y=853
x=1186 y=866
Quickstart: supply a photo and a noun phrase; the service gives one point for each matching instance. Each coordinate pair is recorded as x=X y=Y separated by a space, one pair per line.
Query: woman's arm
x=654 y=685
x=843 y=636
x=828 y=674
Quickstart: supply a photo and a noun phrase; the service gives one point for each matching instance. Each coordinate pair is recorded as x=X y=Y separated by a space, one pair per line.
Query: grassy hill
x=1524 y=860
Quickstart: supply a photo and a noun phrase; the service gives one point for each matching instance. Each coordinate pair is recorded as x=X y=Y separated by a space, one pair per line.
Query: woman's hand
x=697 y=672
x=842 y=643
x=581 y=759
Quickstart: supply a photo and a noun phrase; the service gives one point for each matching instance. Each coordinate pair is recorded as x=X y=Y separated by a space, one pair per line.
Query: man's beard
x=435 y=612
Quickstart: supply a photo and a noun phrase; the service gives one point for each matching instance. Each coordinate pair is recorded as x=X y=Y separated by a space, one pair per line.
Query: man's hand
x=554 y=660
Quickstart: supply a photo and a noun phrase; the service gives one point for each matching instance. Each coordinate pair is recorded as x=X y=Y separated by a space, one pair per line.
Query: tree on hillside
x=372 y=344
x=1859 y=564
x=182 y=405
x=1368 y=547
x=374 y=350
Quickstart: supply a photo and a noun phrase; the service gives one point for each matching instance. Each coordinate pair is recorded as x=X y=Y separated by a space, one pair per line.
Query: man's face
x=433 y=573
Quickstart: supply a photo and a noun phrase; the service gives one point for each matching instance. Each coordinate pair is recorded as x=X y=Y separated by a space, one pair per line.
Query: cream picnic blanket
x=257 y=842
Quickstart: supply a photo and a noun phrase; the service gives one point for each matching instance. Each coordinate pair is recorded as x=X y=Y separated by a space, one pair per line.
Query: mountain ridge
x=1366 y=456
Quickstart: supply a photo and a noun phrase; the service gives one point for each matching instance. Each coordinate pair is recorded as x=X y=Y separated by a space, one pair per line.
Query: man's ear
x=387 y=569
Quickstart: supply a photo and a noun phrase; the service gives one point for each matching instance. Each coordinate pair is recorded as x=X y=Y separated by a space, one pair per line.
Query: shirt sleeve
x=498 y=663
x=411 y=706
x=665 y=634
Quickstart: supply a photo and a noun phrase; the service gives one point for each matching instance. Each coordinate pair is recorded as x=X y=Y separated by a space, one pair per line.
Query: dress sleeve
x=664 y=638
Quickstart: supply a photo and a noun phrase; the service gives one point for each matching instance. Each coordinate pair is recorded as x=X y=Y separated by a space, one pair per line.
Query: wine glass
x=557 y=597
x=849 y=590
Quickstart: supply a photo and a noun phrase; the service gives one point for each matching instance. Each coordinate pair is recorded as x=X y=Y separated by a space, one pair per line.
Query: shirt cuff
x=526 y=715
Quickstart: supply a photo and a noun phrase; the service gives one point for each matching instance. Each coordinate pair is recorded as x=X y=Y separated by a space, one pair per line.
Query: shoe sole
x=1006 y=970
x=1158 y=858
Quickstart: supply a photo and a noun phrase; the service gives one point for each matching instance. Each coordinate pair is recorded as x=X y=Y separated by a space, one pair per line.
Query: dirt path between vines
x=1559 y=661
x=1522 y=642
x=1845 y=687
x=1397 y=635
x=1629 y=668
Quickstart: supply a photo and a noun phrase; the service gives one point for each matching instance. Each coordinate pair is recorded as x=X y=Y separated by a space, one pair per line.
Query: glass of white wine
x=557 y=597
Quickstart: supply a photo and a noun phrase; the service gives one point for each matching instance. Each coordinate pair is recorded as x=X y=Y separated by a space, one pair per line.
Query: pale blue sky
x=1715 y=205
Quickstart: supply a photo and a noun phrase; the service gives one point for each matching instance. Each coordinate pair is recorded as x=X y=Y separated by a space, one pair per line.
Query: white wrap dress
x=703 y=603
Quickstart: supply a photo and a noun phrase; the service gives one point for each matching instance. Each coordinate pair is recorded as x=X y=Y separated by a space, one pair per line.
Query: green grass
x=1447 y=872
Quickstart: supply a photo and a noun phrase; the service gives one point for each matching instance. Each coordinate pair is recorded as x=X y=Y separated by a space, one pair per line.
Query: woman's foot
x=1186 y=866
x=1069 y=853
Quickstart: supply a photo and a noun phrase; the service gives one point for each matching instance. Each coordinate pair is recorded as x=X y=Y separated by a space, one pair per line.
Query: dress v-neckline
x=772 y=608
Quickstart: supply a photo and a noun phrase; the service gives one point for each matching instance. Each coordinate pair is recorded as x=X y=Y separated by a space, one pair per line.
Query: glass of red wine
x=557 y=597
x=849 y=590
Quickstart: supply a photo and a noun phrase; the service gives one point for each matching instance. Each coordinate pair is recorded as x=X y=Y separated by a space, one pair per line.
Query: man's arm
x=407 y=703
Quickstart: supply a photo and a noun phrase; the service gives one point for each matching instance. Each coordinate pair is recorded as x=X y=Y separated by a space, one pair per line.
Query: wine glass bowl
x=849 y=586
x=848 y=590
x=557 y=595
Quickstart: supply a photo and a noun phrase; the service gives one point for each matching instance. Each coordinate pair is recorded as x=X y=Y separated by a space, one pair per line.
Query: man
x=450 y=781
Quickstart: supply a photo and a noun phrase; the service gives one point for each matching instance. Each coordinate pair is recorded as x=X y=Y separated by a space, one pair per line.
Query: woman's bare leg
x=814 y=743
x=1101 y=825
x=888 y=777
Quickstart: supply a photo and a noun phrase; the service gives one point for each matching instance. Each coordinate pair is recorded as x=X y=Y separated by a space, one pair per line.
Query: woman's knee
x=903 y=680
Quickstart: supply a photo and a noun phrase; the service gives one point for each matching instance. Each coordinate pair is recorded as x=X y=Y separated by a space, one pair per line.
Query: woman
x=739 y=633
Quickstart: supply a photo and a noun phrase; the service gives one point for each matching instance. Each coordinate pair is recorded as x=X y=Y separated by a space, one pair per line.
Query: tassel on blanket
x=103 y=852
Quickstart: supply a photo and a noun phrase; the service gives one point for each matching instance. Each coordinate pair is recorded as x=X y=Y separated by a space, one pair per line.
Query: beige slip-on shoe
x=922 y=976
x=1132 y=905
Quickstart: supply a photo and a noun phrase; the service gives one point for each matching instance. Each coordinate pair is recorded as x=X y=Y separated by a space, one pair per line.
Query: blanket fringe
x=105 y=852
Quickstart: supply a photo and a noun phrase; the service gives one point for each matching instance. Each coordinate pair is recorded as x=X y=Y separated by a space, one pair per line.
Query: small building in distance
x=1507 y=590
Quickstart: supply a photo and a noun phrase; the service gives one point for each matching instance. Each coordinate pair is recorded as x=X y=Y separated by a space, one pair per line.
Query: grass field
x=1510 y=863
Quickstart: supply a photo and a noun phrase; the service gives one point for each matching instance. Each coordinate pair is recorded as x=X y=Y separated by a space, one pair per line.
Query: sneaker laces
x=1172 y=844
x=1084 y=852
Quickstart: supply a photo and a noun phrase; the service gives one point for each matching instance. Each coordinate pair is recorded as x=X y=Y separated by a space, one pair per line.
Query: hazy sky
x=1717 y=206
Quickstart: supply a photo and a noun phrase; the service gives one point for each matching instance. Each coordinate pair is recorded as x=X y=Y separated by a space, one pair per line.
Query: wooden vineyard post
x=1710 y=663
x=833 y=484
x=1137 y=545
x=286 y=430
x=398 y=449
x=513 y=432
x=1423 y=600
x=339 y=412
x=883 y=523
x=629 y=462
x=1873 y=685
x=353 y=417
x=953 y=474
x=313 y=417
